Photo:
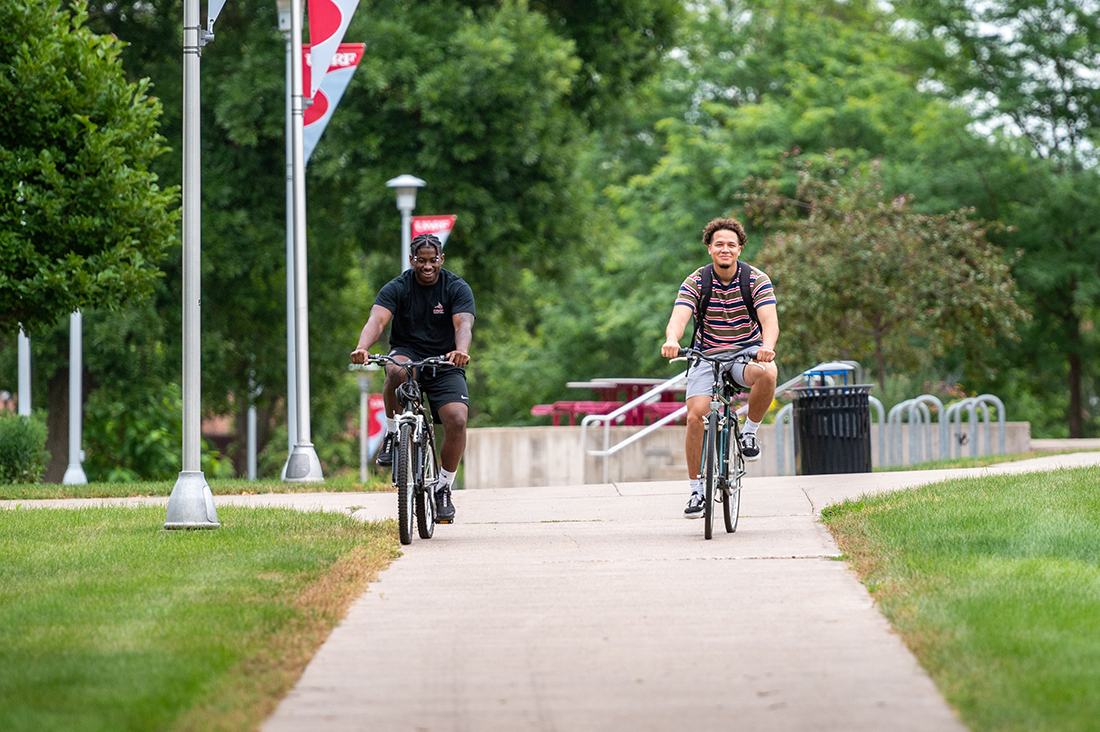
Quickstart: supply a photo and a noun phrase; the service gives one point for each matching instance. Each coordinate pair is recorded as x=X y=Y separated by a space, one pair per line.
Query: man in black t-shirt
x=432 y=311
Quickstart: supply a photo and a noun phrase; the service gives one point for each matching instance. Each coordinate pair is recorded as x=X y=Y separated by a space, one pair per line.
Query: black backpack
x=743 y=274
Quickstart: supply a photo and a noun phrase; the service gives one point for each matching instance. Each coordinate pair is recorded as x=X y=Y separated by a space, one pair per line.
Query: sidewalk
x=601 y=608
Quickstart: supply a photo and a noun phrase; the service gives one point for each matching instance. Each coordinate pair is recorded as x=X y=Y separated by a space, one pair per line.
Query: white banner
x=328 y=21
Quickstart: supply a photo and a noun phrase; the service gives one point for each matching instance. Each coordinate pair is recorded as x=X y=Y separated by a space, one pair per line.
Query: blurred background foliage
x=583 y=146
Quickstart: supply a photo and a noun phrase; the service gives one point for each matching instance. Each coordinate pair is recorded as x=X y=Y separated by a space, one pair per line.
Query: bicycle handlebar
x=746 y=354
x=381 y=358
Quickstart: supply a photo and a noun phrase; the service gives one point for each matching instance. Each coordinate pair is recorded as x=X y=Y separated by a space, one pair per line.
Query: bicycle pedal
x=444 y=521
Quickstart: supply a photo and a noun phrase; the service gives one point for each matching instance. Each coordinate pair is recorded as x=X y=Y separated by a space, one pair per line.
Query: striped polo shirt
x=728 y=325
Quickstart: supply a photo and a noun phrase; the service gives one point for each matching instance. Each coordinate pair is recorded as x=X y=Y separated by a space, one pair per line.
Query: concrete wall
x=505 y=457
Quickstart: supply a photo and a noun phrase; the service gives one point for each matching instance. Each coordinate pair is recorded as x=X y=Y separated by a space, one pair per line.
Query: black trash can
x=832 y=429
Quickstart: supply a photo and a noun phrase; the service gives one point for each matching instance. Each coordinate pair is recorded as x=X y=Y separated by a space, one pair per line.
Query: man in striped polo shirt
x=726 y=326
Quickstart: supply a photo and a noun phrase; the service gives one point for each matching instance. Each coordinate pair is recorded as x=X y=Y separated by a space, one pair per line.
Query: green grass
x=976 y=462
x=237 y=486
x=109 y=623
x=994 y=583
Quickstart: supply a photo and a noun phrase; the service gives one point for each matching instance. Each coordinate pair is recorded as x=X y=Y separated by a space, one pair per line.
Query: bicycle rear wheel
x=425 y=495
x=710 y=457
x=735 y=469
x=403 y=478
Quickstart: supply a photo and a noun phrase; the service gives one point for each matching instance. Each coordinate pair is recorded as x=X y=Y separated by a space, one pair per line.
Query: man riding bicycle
x=432 y=311
x=730 y=322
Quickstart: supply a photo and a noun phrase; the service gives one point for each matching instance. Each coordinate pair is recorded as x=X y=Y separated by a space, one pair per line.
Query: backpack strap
x=744 y=272
x=705 y=288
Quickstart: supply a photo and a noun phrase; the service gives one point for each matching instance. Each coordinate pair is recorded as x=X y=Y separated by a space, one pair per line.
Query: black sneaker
x=695 y=506
x=385 y=452
x=750 y=448
x=444 y=509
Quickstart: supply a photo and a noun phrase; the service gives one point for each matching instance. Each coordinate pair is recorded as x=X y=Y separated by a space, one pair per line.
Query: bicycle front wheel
x=731 y=505
x=710 y=459
x=425 y=495
x=403 y=478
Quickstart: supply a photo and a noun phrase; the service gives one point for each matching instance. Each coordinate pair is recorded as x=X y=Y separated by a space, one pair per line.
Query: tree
x=479 y=98
x=1028 y=70
x=865 y=276
x=83 y=222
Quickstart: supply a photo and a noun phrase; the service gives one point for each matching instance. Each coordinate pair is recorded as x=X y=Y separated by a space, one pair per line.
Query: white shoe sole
x=752 y=459
x=697 y=514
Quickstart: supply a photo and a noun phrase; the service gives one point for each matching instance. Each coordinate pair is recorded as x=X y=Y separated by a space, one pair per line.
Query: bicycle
x=416 y=459
x=723 y=464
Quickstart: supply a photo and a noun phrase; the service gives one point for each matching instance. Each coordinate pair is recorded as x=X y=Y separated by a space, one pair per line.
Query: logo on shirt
x=438 y=309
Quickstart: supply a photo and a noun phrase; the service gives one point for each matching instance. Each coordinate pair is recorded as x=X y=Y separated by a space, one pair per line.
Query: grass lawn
x=236 y=486
x=109 y=623
x=994 y=583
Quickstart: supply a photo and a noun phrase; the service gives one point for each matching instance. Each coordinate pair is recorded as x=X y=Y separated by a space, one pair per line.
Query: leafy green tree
x=490 y=102
x=1028 y=69
x=864 y=276
x=83 y=222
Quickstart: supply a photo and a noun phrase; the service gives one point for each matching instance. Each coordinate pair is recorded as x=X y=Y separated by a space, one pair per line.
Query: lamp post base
x=74 y=475
x=191 y=505
x=303 y=465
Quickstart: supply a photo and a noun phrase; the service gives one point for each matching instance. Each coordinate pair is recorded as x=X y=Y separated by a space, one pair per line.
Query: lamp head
x=405 y=186
x=284 y=14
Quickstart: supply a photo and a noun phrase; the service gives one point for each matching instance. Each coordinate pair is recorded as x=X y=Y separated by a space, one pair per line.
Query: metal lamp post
x=74 y=473
x=406 y=187
x=24 y=374
x=291 y=375
x=302 y=466
x=191 y=505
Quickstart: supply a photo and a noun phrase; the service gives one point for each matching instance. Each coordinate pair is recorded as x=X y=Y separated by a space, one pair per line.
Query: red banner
x=439 y=225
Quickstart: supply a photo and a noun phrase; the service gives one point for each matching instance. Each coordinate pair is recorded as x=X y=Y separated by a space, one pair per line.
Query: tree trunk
x=1076 y=415
x=57 y=425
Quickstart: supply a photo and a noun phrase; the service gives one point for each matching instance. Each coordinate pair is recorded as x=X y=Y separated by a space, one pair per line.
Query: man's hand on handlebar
x=765 y=354
x=359 y=355
x=458 y=358
x=671 y=349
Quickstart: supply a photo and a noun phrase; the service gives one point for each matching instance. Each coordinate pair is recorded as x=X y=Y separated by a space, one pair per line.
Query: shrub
x=23 y=455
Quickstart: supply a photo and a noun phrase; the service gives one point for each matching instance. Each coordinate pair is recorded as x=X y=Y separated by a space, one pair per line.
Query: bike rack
x=971 y=405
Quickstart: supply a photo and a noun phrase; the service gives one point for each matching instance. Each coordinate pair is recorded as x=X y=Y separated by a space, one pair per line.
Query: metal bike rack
x=972 y=405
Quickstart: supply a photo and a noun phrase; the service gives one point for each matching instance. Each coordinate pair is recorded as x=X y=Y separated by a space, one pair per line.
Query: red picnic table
x=614 y=393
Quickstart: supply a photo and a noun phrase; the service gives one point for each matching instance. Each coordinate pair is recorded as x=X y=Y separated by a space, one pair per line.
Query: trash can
x=832 y=429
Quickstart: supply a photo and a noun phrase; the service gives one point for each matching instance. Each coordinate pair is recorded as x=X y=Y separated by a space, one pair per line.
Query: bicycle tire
x=425 y=494
x=711 y=460
x=403 y=479
x=735 y=469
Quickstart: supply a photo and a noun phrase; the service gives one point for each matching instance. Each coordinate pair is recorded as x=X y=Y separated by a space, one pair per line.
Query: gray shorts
x=700 y=378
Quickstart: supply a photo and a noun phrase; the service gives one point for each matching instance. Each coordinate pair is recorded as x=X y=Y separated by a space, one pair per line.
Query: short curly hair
x=724 y=225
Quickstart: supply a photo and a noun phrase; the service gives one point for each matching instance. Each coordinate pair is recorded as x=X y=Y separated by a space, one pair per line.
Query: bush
x=23 y=455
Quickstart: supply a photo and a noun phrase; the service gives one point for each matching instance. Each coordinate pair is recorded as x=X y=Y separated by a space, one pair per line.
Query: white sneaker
x=695 y=506
x=750 y=448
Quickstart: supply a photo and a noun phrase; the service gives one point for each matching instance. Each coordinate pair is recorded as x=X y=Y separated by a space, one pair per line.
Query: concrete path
x=600 y=608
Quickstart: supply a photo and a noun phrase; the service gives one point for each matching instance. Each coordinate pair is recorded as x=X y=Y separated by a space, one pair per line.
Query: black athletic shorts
x=441 y=384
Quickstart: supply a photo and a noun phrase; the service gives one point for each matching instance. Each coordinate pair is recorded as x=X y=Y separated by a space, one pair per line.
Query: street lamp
x=405 y=186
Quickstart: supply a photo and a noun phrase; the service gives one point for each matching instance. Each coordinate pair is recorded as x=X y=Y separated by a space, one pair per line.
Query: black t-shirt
x=422 y=315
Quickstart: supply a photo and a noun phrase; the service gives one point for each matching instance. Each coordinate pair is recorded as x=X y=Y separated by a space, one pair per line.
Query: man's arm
x=769 y=330
x=464 y=334
x=674 y=331
x=372 y=331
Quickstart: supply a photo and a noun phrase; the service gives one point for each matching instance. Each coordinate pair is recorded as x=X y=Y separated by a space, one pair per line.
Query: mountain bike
x=416 y=458
x=723 y=466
